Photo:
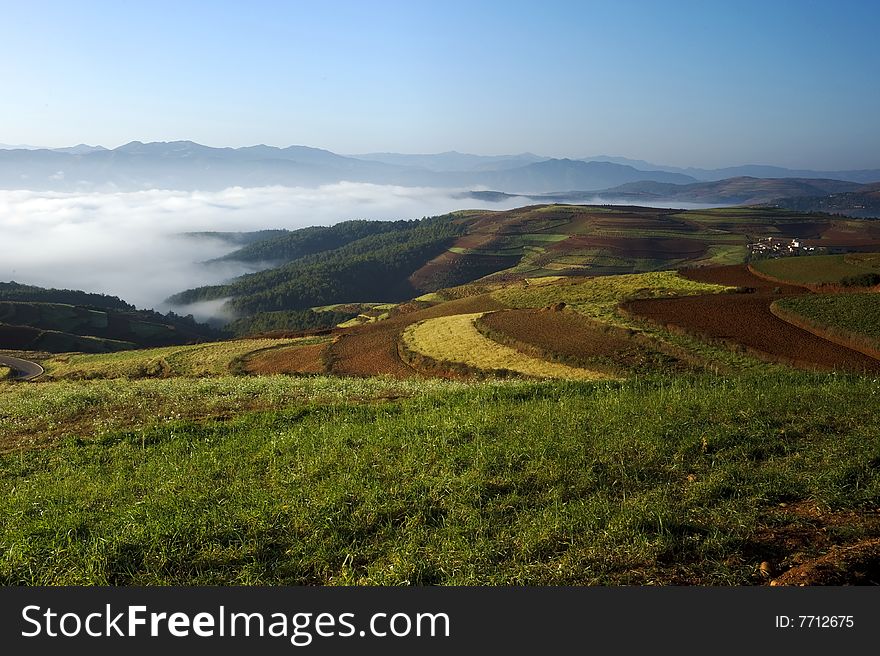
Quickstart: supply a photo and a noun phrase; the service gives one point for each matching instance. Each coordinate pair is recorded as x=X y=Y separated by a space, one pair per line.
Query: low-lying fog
x=130 y=244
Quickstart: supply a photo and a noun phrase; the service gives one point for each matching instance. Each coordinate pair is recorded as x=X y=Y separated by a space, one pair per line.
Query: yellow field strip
x=456 y=339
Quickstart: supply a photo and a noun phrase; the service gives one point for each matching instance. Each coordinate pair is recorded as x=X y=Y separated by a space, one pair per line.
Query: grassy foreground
x=378 y=482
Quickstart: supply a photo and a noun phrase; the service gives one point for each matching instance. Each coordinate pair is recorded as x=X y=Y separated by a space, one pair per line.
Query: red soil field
x=451 y=269
x=746 y=320
x=652 y=247
x=523 y=219
x=739 y=275
x=572 y=338
x=371 y=349
x=650 y=220
x=288 y=360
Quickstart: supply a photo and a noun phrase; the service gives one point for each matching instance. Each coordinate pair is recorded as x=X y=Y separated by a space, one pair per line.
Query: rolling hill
x=394 y=261
x=861 y=203
x=53 y=320
x=732 y=191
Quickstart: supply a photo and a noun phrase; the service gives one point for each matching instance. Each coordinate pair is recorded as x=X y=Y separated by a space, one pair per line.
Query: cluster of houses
x=778 y=247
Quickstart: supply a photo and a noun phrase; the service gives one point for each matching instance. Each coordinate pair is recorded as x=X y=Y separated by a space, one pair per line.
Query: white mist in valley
x=131 y=244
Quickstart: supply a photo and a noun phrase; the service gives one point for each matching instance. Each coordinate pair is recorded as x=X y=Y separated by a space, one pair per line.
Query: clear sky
x=711 y=83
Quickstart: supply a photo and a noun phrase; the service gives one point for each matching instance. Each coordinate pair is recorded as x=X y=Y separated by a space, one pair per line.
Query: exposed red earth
x=288 y=359
x=636 y=247
x=371 y=349
x=566 y=336
x=746 y=320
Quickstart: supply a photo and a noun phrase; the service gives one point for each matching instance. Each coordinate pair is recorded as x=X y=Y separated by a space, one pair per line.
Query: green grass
x=5 y=373
x=46 y=413
x=724 y=255
x=649 y=481
x=599 y=297
x=819 y=269
x=211 y=359
x=853 y=315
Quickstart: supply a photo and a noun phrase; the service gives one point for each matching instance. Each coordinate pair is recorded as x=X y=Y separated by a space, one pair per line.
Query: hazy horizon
x=634 y=157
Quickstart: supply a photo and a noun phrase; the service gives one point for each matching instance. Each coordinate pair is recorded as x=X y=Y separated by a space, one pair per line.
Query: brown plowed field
x=746 y=319
x=802 y=230
x=451 y=269
x=649 y=221
x=738 y=275
x=570 y=336
x=371 y=349
x=652 y=247
x=288 y=360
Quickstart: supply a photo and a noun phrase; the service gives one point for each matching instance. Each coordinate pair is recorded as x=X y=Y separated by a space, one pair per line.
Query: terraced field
x=212 y=359
x=819 y=269
x=852 y=320
x=745 y=321
x=599 y=297
x=293 y=359
x=373 y=349
x=455 y=339
x=572 y=339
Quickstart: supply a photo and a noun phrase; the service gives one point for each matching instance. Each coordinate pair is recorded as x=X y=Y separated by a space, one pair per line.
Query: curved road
x=21 y=369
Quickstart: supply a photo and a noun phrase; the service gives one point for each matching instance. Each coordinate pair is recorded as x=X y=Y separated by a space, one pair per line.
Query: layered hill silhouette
x=185 y=165
x=61 y=320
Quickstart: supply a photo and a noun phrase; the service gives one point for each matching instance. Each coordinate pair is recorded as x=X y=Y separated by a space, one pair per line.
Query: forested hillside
x=374 y=267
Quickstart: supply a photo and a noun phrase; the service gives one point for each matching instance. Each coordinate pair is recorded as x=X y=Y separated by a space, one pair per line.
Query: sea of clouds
x=130 y=244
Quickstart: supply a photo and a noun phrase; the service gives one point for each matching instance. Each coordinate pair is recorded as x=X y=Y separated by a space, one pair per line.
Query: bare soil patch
x=746 y=320
x=855 y=564
x=571 y=338
x=288 y=360
x=803 y=544
x=650 y=247
x=739 y=275
x=372 y=349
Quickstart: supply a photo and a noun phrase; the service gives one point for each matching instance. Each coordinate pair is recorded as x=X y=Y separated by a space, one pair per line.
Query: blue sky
x=686 y=83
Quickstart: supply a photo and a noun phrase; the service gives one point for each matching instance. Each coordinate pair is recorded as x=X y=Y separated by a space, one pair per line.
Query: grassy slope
x=650 y=481
x=524 y=242
x=455 y=339
x=264 y=480
x=856 y=313
x=598 y=298
x=852 y=320
x=211 y=359
x=818 y=269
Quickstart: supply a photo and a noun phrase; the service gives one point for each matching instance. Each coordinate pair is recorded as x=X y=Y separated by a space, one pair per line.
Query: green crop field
x=211 y=359
x=599 y=297
x=852 y=316
x=654 y=481
x=819 y=269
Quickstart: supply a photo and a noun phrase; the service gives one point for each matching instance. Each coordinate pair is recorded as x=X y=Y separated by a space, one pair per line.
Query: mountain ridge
x=187 y=165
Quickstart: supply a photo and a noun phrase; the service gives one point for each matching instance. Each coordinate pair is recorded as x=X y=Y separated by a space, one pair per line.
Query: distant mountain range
x=186 y=165
x=803 y=195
